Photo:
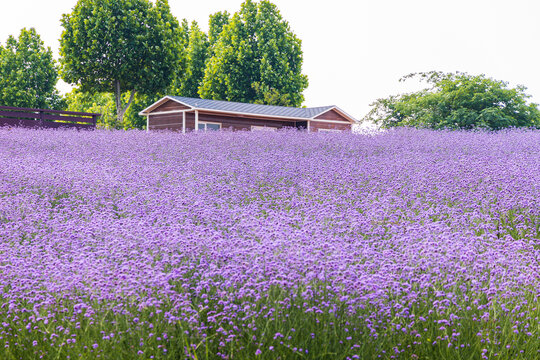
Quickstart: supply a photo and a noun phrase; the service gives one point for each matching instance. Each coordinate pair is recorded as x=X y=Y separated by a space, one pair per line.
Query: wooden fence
x=44 y=118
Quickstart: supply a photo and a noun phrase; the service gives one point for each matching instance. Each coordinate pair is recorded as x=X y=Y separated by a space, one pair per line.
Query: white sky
x=355 y=51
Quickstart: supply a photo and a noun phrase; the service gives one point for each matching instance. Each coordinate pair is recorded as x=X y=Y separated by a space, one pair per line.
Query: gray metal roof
x=269 y=110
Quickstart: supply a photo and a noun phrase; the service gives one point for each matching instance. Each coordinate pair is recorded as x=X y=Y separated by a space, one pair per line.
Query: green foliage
x=183 y=41
x=180 y=33
x=132 y=119
x=193 y=61
x=28 y=73
x=294 y=332
x=101 y=103
x=104 y=104
x=118 y=46
x=270 y=96
x=216 y=23
x=255 y=57
x=457 y=101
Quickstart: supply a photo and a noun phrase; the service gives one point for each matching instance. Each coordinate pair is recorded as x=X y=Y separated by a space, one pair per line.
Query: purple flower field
x=408 y=244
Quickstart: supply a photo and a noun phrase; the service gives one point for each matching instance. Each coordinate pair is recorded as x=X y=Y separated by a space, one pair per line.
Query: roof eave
x=252 y=114
x=339 y=110
x=164 y=99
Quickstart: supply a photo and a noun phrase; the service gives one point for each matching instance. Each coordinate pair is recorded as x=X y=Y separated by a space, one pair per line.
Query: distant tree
x=28 y=73
x=120 y=46
x=270 y=96
x=181 y=68
x=181 y=33
x=255 y=57
x=132 y=118
x=101 y=103
x=193 y=62
x=104 y=104
x=216 y=23
x=457 y=101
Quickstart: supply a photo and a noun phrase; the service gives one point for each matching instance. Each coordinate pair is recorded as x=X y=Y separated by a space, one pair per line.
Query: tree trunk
x=120 y=111
x=118 y=98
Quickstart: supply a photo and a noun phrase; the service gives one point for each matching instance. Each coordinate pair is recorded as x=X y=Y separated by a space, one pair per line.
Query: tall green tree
x=457 y=101
x=216 y=23
x=28 y=73
x=194 y=55
x=119 y=46
x=256 y=56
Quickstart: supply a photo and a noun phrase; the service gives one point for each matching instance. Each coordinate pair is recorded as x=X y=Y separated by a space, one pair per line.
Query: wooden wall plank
x=332 y=115
x=316 y=125
x=170 y=105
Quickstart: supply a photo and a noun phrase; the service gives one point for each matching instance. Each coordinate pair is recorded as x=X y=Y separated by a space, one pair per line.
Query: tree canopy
x=28 y=73
x=216 y=23
x=457 y=101
x=255 y=57
x=139 y=52
x=194 y=54
x=119 y=46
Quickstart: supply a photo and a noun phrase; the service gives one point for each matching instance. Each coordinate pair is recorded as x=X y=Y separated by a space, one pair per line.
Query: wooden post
x=196 y=120
x=94 y=120
x=184 y=122
x=41 y=119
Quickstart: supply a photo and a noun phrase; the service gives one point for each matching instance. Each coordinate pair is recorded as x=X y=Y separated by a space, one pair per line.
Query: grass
x=292 y=326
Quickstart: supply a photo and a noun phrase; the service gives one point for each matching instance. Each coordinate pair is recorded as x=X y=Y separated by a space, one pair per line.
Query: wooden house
x=191 y=114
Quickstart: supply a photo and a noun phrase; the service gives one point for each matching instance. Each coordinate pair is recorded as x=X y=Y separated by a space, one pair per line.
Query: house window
x=263 y=128
x=209 y=126
x=330 y=130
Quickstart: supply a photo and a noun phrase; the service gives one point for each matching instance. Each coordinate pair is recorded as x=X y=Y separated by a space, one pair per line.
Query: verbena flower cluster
x=393 y=244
